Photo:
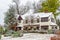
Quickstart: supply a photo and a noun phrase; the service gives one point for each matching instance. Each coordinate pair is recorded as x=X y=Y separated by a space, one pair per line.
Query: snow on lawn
x=31 y=36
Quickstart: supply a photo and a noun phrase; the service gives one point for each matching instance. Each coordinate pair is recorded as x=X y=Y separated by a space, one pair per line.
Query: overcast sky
x=4 y=5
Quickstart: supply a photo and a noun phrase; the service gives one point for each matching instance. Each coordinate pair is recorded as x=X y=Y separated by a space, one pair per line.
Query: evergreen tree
x=58 y=22
x=10 y=19
x=50 y=6
x=1 y=29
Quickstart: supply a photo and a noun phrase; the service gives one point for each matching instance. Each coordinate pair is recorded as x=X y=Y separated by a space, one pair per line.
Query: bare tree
x=37 y=6
x=17 y=5
x=20 y=9
x=23 y=9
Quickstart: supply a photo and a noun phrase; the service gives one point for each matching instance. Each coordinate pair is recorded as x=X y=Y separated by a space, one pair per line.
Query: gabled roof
x=36 y=15
x=51 y=23
x=42 y=14
x=19 y=18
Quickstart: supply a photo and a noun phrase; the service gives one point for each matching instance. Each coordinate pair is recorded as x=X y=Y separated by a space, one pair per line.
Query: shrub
x=17 y=34
x=0 y=36
x=50 y=31
x=1 y=30
x=7 y=34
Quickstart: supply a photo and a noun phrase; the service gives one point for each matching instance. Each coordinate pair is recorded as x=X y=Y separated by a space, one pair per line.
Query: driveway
x=31 y=36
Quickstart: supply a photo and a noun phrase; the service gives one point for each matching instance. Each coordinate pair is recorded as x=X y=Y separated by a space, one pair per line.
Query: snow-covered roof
x=36 y=15
x=51 y=23
x=19 y=26
x=42 y=14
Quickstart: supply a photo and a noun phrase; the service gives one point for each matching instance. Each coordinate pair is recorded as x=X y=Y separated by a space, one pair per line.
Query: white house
x=41 y=22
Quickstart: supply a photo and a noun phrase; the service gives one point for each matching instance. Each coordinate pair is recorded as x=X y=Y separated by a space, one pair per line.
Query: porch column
x=58 y=27
x=21 y=28
x=49 y=27
x=39 y=27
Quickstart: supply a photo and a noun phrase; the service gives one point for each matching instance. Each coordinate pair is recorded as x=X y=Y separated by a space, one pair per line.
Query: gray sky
x=4 y=5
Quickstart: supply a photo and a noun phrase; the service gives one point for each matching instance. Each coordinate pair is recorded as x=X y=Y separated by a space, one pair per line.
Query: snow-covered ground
x=31 y=36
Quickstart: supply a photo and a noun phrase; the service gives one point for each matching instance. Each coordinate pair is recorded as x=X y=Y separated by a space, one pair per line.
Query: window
x=55 y=27
x=44 y=19
x=25 y=28
x=52 y=20
x=23 y=21
x=44 y=27
x=19 y=21
x=52 y=27
x=37 y=20
x=31 y=20
x=19 y=28
x=19 y=18
x=26 y=21
x=29 y=28
x=37 y=27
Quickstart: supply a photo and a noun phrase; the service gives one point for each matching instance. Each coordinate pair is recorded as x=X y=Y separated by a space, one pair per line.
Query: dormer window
x=31 y=20
x=44 y=19
x=26 y=21
x=52 y=20
x=19 y=18
x=38 y=20
x=55 y=27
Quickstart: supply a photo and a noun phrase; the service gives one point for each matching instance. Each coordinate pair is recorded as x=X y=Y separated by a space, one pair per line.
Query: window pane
x=19 y=21
x=44 y=19
x=55 y=27
x=31 y=20
x=26 y=21
x=37 y=20
x=52 y=20
x=44 y=27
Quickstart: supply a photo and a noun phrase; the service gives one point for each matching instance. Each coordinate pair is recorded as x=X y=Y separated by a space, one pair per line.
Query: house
x=39 y=22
